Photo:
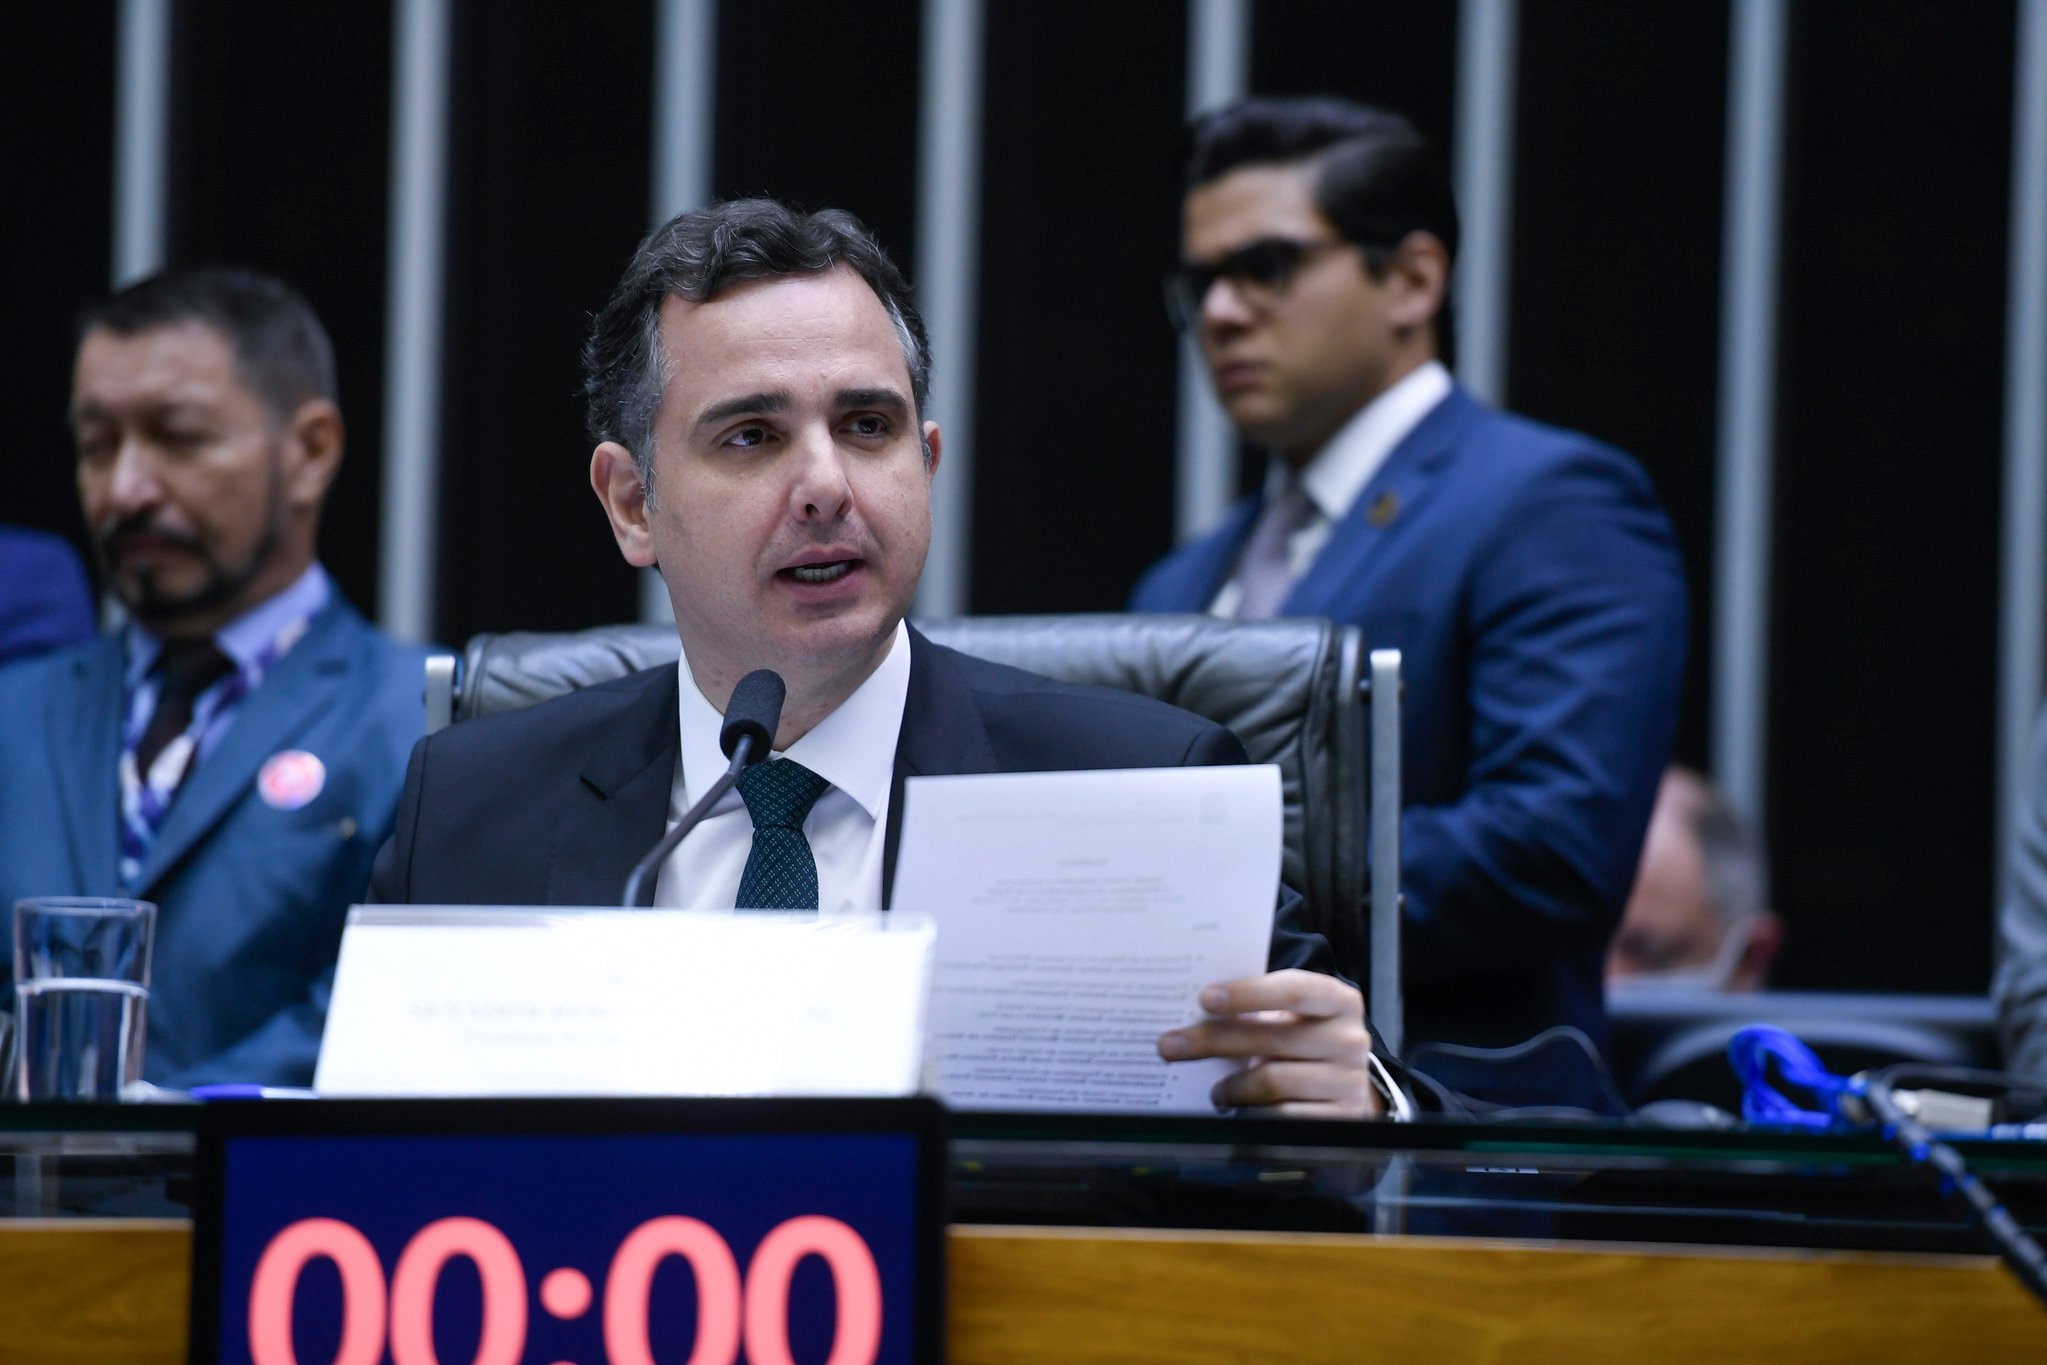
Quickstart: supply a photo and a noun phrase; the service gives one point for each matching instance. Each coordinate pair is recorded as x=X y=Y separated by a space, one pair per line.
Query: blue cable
x=1752 y=1050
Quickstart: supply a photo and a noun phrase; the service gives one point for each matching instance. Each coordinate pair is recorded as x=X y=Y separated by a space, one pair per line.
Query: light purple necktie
x=1265 y=569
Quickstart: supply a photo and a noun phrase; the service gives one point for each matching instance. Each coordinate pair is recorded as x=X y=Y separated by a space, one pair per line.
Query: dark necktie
x=183 y=671
x=780 y=872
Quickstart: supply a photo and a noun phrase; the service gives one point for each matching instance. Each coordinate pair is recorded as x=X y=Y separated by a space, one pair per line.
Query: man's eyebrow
x=745 y=405
x=172 y=410
x=90 y=410
x=888 y=400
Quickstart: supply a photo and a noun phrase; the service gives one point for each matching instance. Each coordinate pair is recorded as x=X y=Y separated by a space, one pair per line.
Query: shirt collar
x=277 y=621
x=853 y=748
x=1349 y=459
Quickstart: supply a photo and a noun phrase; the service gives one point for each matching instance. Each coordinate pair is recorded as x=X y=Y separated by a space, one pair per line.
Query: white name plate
x=515 y=1000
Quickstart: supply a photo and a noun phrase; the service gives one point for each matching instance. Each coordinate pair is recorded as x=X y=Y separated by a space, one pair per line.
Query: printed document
x=1079 y=915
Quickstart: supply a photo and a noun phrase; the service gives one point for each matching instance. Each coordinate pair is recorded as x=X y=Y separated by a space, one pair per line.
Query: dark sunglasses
x=1259 y=271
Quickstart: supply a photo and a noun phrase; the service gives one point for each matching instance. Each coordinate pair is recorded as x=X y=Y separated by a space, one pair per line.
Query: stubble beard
x=159 y=608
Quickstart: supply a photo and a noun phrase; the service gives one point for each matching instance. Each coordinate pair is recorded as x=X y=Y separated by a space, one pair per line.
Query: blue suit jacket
x=250 y=898
x=1532 y=583
x=44 y=600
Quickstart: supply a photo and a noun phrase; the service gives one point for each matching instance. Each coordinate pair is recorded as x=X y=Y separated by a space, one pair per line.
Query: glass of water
x=81 y=990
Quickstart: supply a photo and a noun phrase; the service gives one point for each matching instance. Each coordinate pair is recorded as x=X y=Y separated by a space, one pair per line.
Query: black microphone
x=751 y=718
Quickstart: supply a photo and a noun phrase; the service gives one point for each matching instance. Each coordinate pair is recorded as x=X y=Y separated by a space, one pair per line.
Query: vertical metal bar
x=442 y=674
x=1387 y=1008
x=142 y=117
x=1746 y=454
x=948 y=276
x=685 y=106
x=414 y=310
x=685 y=131
x=1205 y=468
x=34 y=1197
x=2025 y=431
x=1389 y=1197
x=1487 y=44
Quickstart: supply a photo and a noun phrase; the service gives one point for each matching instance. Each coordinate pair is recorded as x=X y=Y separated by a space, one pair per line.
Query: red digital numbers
x=418 y=1275
x=732 y=1310
x=855 y=1278
x=275 y=1287
x=629 y=1288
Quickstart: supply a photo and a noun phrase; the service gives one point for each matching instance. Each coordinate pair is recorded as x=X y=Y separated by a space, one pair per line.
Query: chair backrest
x=1289 y=689
x=1674 y=1046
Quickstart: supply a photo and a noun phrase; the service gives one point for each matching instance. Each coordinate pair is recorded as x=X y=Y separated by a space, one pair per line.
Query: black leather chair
x=1289 y=689
x=1674 y=1046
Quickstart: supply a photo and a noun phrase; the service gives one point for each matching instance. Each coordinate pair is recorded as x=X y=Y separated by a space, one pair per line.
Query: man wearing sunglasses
x=1526 y=573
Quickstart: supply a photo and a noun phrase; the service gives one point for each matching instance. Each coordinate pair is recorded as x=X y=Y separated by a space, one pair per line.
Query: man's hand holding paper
x=1086 y=919
x=1305 y=1035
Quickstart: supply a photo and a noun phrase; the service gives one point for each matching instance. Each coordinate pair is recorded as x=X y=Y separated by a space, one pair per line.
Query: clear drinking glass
x=81 y=989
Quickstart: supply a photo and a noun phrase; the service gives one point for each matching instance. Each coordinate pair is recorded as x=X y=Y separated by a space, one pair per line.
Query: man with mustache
x=1527 y=574
x=756 y=390
x=234 y=752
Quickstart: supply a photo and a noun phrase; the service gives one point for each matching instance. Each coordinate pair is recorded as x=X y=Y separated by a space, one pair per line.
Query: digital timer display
x=634 y=1247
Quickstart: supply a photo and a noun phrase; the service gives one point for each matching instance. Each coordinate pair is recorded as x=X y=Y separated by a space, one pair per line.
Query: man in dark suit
x=1527 y=574
x=234 y=753
x=756 y=388
x=44 y=600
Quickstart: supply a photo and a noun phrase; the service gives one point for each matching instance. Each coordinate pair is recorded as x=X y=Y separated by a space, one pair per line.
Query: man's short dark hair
x=698 y=256
x=281 y=351
x=1377 y=177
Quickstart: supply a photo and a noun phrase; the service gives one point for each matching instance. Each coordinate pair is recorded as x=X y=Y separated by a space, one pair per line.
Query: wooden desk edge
x=92 y=1292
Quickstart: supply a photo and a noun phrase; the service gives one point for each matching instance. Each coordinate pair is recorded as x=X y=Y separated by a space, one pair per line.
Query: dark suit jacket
x=552 y=804
x=250 y=899
x=1534 y=587
x=44 y=601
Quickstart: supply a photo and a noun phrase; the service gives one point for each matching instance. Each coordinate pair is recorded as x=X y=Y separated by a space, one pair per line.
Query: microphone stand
x=639 y=884
x=752 y=714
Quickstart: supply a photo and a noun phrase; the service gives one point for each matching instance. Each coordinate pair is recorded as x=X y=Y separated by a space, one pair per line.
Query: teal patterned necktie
x=780 y=872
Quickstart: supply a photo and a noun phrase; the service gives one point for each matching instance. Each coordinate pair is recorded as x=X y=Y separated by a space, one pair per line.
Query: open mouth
x=829 y=572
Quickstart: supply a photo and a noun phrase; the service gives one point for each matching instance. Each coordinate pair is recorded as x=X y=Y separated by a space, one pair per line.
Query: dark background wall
x=1897 y=162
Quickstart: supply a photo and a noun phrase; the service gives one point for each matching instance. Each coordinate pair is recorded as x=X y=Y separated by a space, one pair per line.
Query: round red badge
x=291 y=779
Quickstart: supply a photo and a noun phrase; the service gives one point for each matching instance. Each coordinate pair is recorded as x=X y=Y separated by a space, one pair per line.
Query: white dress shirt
x=854 y=749
x=1337 y=475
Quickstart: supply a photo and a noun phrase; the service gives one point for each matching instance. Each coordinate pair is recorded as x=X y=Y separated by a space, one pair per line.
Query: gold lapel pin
x=1384 y=508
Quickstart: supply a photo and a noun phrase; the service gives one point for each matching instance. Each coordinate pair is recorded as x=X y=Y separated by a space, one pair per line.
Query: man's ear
x=1421 y=266
x=932 y=448
x=312 y=448
x=1752 y=971
x=616 y=480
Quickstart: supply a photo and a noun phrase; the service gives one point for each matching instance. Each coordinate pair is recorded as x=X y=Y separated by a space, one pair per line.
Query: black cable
x=1448 y=1101
x=1488 y=1111
x=2003 y=1084
x=1517 y=1113
x=1556 y=1033
x=1919 y=1072
x=1958 y=1184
